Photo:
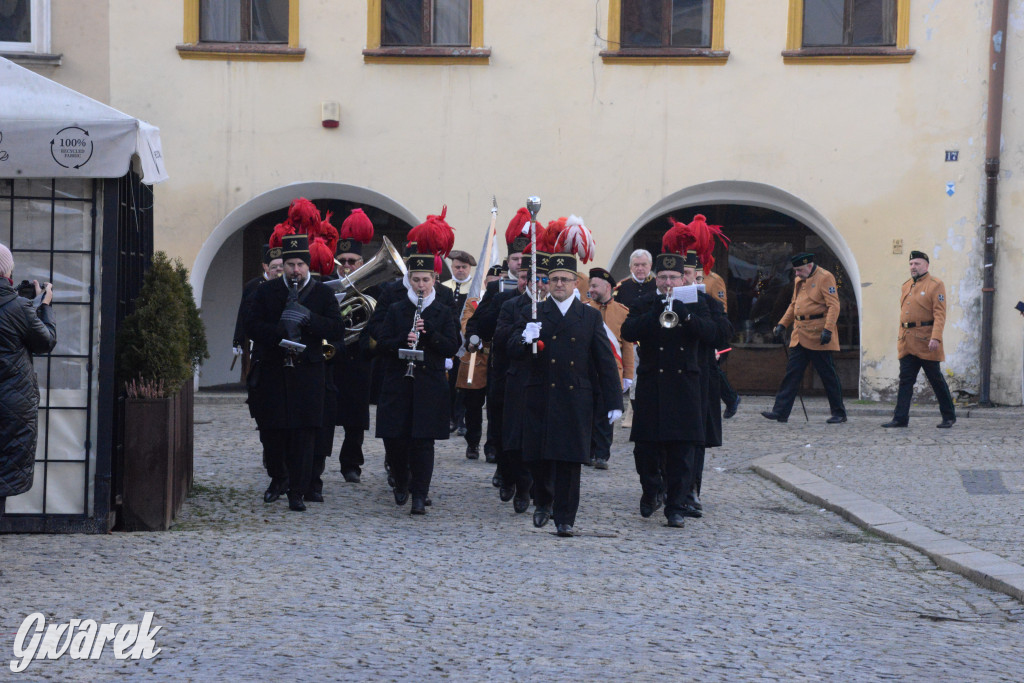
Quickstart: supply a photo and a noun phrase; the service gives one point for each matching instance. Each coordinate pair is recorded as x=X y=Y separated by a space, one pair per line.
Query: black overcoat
x=669 y=395
x=248 y=289
x=23 y=331
x=709 y=369
x=291 y=398
x=416 y=407
x=515 y=374
x=575 y=368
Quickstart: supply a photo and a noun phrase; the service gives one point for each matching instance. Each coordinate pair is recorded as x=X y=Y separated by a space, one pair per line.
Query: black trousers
x=456 y=409
x=729 y=395
x=351 y=453
x=675 y=459
x=514 y=471
x=473 y=401
x=412 y=464
x=273 y=455
x=698 y=468
x=910 y=366
x=495 y=417
x=556 y=487
x=294 y=448
x=601 y=435
x=799 y=357
x=321 y=451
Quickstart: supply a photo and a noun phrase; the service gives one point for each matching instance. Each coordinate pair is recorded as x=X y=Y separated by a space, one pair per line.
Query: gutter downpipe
x=993 y=139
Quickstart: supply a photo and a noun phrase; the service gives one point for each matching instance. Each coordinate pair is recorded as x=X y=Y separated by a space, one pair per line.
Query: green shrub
x=163 y=341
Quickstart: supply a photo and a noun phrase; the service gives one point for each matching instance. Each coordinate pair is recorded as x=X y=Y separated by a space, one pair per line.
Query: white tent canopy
x=50 y=131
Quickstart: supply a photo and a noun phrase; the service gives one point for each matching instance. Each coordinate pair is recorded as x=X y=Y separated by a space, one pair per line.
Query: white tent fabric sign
x=50 y=131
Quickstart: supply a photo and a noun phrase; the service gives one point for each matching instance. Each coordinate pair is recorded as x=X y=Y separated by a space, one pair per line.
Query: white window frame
x=40 y=42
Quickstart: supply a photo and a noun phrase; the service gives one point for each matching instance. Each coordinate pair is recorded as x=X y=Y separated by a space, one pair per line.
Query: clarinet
x=415 y=352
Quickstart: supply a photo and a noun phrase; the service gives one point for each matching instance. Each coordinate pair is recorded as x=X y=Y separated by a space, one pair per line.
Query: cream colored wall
x=864 y=145
x=80 y=31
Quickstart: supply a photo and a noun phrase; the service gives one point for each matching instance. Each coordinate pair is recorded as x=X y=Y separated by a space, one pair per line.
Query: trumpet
x=414 y=354
x=668 y=317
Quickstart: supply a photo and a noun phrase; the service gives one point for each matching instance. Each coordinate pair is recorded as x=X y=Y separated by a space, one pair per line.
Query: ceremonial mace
x=533 y=206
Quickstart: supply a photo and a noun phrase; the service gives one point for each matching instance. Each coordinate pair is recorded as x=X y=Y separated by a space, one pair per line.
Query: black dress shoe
x=731 y=410
x=490 y=455
x=506 y=493
x=496 y=480
x=836 y=419
x=601 y=464
x=401 y=496
x=695 y=500
x=295 y=502
x=419 y=507
x=351 y=476
x=541 y=516
x=313 y=497
x=675 y=520
x=564 y=530
x=521 y=504
x=271 y=494
x=691 y=511
x=774 y=416
x=894 y=423
x=472 y=452
x=461 y=431
x=648 y=505
x=945 y=424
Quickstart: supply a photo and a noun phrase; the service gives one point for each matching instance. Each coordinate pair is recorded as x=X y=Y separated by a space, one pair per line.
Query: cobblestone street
x=765 y=586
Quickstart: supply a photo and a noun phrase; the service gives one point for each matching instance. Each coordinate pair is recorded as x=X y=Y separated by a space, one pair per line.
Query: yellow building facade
x=787 y=121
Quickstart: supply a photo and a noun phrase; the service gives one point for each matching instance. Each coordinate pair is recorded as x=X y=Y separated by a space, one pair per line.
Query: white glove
x=626 y=384
x=531 y=333
x=614 y=415
x=448 y=365
x=236 y=350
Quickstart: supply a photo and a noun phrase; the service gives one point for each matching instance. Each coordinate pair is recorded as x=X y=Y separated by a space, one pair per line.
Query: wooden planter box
x=157 y=475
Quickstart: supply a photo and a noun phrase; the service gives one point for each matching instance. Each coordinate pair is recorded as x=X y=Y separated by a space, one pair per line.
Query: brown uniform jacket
x=813 y=297
x=614 y=314
x=923 y=301
x=715 y=288
x=479 y=359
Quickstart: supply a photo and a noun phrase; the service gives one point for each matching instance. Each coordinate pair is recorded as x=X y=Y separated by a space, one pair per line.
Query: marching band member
x=412 y=411
x=289 y=394
x=462 y=264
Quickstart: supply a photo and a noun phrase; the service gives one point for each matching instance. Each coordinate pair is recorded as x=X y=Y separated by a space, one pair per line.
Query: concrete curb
x=983 y=568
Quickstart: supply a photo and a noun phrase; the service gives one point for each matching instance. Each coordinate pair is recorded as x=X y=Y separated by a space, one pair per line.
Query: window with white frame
x=25 y=26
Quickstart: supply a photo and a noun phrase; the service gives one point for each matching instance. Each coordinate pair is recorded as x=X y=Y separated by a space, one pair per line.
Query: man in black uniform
x=483 y=324
x=412 y=411
x=573 y=354
x=291 y=383
x=272 y=268
x=515 y=475
x=462 y=264
x=670 y=416
x=640 y=283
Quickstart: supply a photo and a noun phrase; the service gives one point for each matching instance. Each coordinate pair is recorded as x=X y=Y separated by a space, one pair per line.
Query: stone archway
x=754 y=197
x=217 y=272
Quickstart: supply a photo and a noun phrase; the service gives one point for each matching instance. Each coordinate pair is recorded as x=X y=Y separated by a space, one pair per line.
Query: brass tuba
x=356 y=307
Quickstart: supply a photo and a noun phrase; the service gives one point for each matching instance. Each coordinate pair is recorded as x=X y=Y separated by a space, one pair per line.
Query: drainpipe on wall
x=993 y=138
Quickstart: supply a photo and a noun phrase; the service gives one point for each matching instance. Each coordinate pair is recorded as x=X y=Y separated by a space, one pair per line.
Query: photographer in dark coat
x=413 y=409
x=24 y=330
x=573 y=366
x=290 y=387
x=670 y=416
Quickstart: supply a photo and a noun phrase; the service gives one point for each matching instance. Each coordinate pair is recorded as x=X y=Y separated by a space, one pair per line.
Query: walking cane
x=785 y=350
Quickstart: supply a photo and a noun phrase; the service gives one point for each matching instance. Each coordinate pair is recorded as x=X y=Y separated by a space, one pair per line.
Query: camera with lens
x=27 y=290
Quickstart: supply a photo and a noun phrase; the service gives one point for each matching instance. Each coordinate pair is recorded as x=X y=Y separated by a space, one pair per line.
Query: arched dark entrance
x=759 y=281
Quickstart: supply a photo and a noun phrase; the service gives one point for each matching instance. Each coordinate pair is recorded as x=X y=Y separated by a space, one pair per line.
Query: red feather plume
x=304 y=217
x=357 y=227
x=434 y=236
x=547 y=237
x=677 y=240
x=281 y=230
x=703 y=238
x=321 y=256
x=515 y=226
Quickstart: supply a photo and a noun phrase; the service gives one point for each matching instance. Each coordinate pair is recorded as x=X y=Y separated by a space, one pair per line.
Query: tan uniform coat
x=923 y=301
x=614 y=314
x=480 y=359
x=815 y=295
x=715 y=287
